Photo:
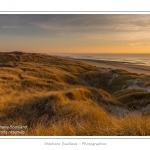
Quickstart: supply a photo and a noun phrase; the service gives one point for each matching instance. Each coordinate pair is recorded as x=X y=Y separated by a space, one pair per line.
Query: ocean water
x=138 y=59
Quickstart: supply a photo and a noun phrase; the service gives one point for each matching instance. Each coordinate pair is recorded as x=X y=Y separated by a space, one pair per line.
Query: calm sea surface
x=140 y=59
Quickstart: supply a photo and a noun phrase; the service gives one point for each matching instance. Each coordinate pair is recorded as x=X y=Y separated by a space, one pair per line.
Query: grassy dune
x=54 y=96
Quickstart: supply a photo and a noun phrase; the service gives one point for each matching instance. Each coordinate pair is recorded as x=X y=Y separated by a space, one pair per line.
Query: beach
x=130 y=67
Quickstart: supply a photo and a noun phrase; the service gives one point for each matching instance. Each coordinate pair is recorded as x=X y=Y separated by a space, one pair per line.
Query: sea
x=137 y=59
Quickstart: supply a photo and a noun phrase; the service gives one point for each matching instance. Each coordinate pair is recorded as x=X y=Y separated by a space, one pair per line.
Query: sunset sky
x=79 y=33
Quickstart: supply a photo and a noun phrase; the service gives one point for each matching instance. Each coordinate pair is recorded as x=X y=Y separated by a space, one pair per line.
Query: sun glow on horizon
x=75 y=33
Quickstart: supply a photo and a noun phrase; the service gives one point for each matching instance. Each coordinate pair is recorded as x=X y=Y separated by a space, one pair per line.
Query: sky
x=75 y=33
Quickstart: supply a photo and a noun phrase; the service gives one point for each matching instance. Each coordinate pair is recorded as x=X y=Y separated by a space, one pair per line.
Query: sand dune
x=56 y=96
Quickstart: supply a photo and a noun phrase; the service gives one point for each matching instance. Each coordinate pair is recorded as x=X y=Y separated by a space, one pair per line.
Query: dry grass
x=135 y=100
x=54 y=96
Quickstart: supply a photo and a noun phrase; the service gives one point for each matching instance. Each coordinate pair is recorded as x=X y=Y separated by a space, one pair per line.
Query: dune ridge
x=57 y=96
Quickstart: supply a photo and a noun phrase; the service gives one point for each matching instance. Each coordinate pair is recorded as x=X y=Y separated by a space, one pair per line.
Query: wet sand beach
x=130 y=67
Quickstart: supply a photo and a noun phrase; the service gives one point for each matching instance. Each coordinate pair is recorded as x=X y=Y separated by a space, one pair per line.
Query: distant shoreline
x=130 y=67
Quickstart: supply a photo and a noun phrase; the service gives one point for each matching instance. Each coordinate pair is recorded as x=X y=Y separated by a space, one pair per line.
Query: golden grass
x=54 y=96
